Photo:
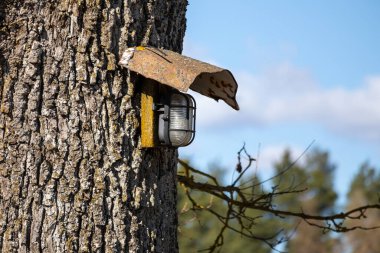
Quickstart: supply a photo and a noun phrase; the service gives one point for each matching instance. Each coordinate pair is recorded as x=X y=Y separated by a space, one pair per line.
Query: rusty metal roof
x=182 y=73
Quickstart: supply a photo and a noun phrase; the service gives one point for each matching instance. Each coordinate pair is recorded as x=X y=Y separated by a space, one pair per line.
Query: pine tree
x=365 y=189
x=315 y=176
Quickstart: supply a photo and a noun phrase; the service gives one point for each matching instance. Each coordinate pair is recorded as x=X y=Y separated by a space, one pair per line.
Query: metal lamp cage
x=176 y=120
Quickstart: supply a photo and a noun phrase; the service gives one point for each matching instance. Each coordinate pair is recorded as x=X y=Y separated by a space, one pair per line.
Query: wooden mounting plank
x=148 y=120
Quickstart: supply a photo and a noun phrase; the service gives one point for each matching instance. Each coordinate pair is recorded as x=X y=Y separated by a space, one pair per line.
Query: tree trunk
x=72 y=175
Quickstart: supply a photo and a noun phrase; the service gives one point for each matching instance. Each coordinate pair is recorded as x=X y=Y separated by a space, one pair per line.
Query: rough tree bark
x=72 y=176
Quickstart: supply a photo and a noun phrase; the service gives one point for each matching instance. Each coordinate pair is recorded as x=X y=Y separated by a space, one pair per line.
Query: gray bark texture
x=72 y=175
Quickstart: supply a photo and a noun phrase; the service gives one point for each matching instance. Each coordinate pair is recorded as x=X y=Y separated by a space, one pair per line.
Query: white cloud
x=268 y=155
x=289 y=94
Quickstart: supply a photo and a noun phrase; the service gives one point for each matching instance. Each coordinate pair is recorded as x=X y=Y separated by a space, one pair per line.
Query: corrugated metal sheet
x=182 y=73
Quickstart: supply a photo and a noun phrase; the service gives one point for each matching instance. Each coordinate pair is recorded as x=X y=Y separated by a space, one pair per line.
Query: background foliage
x=315 y=175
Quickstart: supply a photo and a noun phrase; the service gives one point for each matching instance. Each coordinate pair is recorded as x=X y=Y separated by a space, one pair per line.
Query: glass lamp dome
x=176 y=126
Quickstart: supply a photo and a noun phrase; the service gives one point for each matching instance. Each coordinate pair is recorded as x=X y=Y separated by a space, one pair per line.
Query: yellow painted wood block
x=148 y=120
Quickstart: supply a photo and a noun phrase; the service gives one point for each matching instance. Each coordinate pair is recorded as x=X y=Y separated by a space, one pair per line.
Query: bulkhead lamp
x=176 y=119
x=167 y=74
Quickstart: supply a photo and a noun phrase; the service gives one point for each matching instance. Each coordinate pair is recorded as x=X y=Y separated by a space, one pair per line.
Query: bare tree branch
x=238 y=201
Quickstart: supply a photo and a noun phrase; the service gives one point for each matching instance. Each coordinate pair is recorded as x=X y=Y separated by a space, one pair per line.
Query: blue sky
x=307 y=70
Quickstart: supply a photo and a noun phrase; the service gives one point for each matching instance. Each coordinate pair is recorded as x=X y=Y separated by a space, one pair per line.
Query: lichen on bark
x=72 y=175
